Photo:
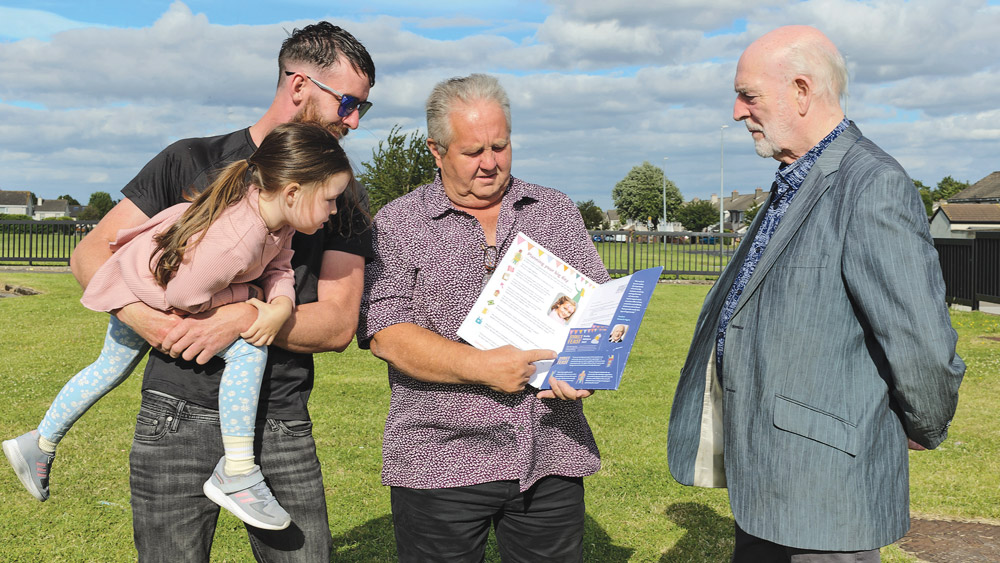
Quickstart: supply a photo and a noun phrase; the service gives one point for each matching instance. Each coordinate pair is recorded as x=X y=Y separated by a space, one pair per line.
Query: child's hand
x=270 y=318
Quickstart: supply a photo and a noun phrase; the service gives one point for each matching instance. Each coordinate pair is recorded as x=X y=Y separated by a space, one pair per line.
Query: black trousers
x=544 y=523
x=751 y=549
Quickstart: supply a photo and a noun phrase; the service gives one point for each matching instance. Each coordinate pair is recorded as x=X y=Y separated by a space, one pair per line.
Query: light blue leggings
x=239 y=390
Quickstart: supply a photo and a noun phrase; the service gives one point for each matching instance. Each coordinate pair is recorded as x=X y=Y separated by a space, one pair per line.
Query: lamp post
x=664 y=202
x=722 y=186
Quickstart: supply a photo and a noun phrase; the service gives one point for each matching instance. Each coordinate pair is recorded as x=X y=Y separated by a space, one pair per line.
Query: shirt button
x=520 y=428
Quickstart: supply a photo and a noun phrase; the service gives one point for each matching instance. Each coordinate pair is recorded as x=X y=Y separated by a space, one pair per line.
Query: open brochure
x=535 y=300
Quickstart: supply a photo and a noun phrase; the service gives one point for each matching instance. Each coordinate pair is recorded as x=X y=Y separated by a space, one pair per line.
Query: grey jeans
x=175 y=449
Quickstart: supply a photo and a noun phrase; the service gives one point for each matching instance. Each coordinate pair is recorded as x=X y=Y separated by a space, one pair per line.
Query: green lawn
x=635 y=510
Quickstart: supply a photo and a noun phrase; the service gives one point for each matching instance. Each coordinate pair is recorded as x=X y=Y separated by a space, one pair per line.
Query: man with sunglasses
x=324 y=76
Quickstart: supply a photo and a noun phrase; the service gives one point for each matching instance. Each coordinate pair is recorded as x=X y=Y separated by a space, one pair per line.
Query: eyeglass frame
x=346 y=100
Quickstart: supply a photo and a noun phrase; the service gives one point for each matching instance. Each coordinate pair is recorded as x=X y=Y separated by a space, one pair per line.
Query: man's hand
x=200 y=337
x=151 y=324
x=914 y=446
x=562 y=390
x=508 y=369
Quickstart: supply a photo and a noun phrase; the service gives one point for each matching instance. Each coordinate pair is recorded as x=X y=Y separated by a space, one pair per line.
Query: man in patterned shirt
x=467 y=443
x=825 y=348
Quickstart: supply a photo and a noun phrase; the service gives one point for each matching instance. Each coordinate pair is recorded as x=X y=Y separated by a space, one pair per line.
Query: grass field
x=635 y=510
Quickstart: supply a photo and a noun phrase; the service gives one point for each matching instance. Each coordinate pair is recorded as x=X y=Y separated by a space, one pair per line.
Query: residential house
x=16 y=203
x=986 y=190
x=975 y=208
x=962 y=220
x=735 y=207
x=48 y=208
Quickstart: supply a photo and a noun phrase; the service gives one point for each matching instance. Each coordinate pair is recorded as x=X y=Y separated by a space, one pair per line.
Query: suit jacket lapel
x=715 y=300
x=813 y=188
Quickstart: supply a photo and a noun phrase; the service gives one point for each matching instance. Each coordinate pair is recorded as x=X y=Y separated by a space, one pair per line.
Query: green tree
x=696 y=215
x=948 y=187
x=592 y=215
x=639 y=195
x=398 y=165
x=926 y=195
x=69 y=199
x=98 y=206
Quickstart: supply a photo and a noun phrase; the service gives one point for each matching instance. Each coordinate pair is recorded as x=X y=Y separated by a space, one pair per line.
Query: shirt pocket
x=812 y=423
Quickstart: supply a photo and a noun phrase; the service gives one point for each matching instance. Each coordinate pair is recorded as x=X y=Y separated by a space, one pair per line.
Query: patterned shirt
x=429 y=267
x=787 y=181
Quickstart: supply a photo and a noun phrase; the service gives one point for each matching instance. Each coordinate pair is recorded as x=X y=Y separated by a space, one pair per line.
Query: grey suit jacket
x=839 y=348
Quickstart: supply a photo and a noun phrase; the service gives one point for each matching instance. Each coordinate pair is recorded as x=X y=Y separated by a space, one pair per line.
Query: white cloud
x=596 y=87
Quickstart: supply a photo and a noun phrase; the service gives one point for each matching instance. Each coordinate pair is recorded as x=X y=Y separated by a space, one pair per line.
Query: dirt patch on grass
x=945 y=541
x=7 y=290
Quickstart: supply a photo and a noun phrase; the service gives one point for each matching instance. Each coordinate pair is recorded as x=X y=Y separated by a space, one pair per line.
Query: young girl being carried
x=197 y=256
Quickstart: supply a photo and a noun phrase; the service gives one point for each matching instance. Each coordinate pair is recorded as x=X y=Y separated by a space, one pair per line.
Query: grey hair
x=824 y=64
x=467 y=89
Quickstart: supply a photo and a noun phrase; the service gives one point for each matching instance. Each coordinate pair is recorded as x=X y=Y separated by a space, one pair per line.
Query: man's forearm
x=94 y=250
x=425 y=355
x=329 y=323
x=318 y=327
x=87 y=258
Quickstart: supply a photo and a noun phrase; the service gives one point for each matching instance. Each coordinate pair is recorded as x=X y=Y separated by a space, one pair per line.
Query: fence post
x=975 y=272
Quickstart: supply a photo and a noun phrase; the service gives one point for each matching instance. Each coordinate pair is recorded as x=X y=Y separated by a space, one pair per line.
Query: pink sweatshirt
x=235 y=250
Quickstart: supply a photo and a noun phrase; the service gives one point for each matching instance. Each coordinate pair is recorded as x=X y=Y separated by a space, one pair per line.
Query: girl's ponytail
x=171 y=244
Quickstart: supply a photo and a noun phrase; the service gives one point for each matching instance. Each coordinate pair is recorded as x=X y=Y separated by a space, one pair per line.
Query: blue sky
x=90 y=91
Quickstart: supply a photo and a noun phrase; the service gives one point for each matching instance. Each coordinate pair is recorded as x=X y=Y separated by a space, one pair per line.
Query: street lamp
x=664 y=201
x=722 y=185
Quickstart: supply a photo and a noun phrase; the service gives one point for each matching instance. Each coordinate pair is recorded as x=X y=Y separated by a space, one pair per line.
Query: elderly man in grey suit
x=825 y=348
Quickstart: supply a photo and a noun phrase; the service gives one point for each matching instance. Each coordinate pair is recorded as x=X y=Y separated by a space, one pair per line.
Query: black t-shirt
x=188 y=166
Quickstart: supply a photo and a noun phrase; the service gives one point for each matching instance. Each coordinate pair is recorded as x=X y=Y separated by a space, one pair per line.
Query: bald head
x=788 y=85
x=803 y=50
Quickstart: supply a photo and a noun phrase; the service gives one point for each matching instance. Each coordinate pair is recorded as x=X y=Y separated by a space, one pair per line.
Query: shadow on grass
x=598 y=546
x=371 y=541
x=374 y=541
x=707 y=536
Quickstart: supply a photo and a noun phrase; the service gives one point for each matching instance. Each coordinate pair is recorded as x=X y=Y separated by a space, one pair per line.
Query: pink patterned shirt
x=428 y=270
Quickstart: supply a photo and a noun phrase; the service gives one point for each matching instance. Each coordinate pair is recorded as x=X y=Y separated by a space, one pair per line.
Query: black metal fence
x=971 y=268
x=680 y=253
x=624 y=252
x=37 y=242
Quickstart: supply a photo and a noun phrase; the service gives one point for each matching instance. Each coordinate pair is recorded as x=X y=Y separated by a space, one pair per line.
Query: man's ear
x=803 y=94
x=433 y=147
x=296 y=88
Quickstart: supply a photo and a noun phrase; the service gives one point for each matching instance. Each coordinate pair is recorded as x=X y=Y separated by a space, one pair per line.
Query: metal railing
x=681 y=253
x=37 y=242
x=971 y=268
x=624 y=252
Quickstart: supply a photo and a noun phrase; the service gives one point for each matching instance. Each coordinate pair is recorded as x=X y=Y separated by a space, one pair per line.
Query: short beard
x=309 y=114
x=765 y=147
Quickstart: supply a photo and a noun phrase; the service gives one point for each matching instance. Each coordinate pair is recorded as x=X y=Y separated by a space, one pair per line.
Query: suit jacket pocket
x=807 y=421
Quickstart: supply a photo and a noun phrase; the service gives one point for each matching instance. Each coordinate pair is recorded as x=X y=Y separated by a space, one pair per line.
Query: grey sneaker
x=247 y=497
x=31 y=464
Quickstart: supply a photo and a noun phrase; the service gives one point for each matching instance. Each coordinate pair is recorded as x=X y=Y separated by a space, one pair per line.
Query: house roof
x=971 y=212
x=987 y=188
x=52 y=205
x=14 y=198
x=742 y=202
